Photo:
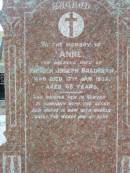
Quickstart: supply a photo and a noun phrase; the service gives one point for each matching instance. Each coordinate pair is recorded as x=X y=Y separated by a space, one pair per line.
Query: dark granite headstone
x=2 y=90
x=67 y=87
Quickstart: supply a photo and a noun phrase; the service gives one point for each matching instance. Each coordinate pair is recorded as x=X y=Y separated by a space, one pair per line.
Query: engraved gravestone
x=67 y=87
x=71 y=87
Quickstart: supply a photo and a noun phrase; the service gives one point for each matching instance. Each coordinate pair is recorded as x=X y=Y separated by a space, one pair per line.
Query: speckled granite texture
x=67 y=86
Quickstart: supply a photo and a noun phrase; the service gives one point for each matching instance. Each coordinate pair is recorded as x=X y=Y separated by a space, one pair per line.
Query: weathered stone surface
x=67 y=87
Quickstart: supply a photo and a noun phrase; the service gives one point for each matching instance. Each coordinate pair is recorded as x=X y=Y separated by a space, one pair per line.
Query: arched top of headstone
x=16 y=8
x=36 y=6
